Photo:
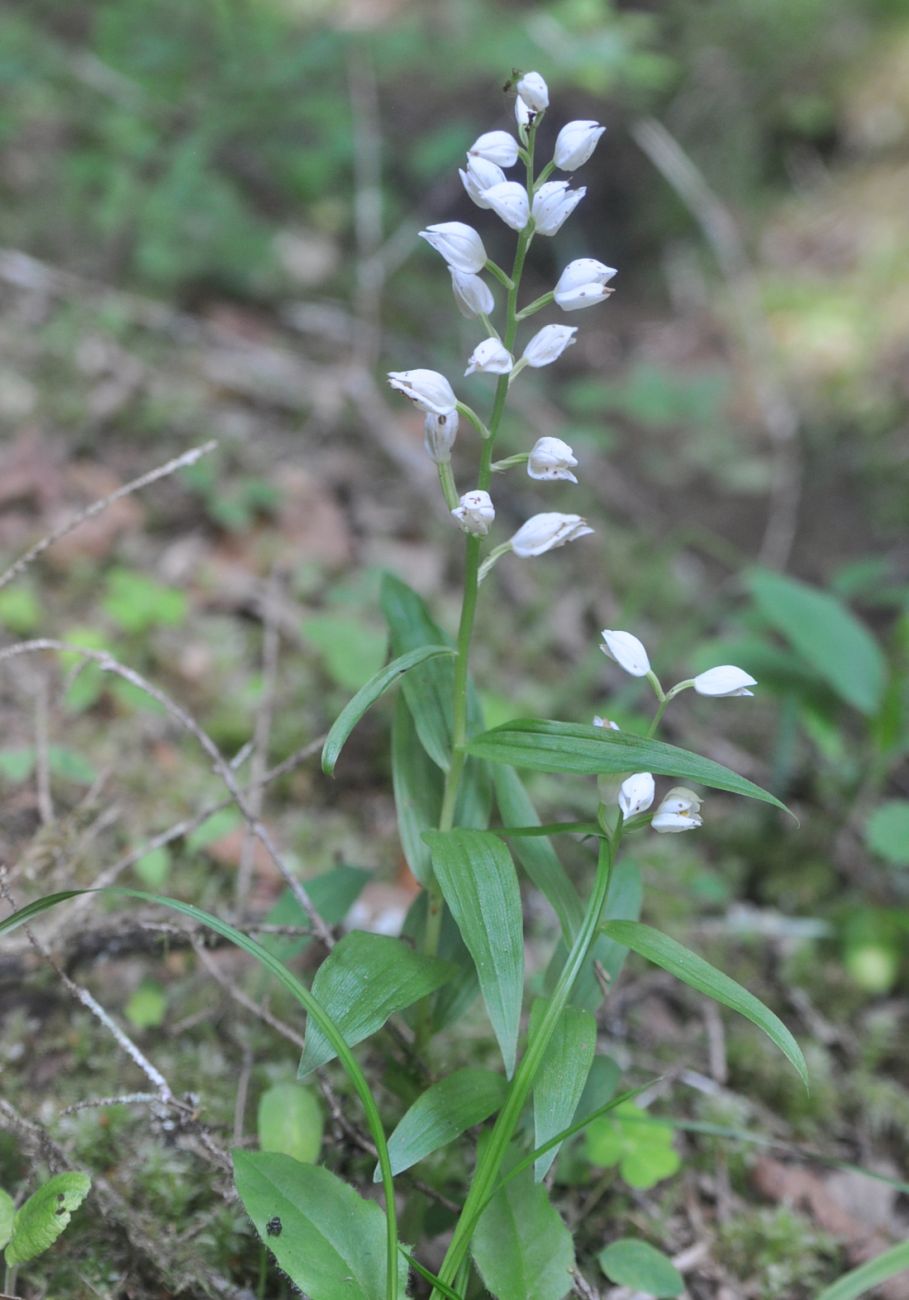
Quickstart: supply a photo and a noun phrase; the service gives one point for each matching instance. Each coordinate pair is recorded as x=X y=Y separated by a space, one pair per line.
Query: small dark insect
x=515 y=76
x=274 y=1227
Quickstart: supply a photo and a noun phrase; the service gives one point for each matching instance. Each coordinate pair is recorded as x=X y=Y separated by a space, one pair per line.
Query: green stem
x=487 y=1172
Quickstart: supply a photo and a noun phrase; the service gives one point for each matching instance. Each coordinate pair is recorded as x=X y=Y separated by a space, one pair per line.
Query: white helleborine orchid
x=627 y=651
x=496 y=147
x=551 y=458
x=475 y=513
x=724 y=680
x=510 y=202
x=575 y=143
x=458 y=243
x=534 y=92
x=636 y=794
x=489 y=358
x=553 y=204
x=429 y=390
x=606 y=723
x=678 y=811
x=481 y=175
x=548 y=344
x=522 y=114
x=545 y=532
x=583 y=284
x=439 y=433
x=472 y=295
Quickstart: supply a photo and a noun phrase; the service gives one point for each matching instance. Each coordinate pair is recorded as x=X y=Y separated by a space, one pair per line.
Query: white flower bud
x=636 y=794
x=480 y=176
x=724 y=680
x=551 y=458
x=678 y=811
x=582 y=284
x=489 y=358
x=548 y=344
x=545 y=532
x=496 y=147
x=627 y=651
x=439 y=433
x=510 y=202
x=458 y=243
x=472 y=295
x=575 y=143
x=553 y=204
x=427 y=388
x=534 y=92
x=606 y=723
x=475 y=513
x=522 y=114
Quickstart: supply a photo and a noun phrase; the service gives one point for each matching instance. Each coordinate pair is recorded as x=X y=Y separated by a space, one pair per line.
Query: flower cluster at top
x=680 y=808
x=540 y=207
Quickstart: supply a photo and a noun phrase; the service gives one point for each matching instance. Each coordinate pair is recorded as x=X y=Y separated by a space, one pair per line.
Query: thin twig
x=107 y=663
x=779 y=414
x=97 y=507
x=42 y=755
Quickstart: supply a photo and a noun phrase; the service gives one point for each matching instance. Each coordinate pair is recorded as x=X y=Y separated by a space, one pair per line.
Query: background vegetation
x=207 y=229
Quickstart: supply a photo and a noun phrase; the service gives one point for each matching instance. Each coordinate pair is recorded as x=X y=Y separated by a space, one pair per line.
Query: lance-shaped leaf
x=366 y=697
x=329 y=1241
x=418 y=791
x=521 y=1246
x=860 y=1281
x=41 y=1219
x=333 y=894
x=365 y=979
x=562 y=1077
x=536 y=855
x=594 y=751
x=442 y=1113
x=704 y=978
x=480 y=885
x=7 y=1215
x=455 y=996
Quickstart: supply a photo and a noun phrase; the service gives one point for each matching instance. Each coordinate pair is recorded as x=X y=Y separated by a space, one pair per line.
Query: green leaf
x=861 y=1280
x=642 y=1148
x=365 y=979
x=442 y=1113
x=429 y=689
x=17 y=765
x=561 y=1079
x=826 y=633
x=521 y=1246
x=537 y=856
x=148 y=1005
x=418 y=791
x=480 y=885
x=328 y=1240
x=596 y=751
x=290 y=1121
x=642 y=1267
x=887 y=832
x=333 y=894
x=137 y=603
x=40 y=1221
x=7 y=1215
x=704 y=978
x=623 y=903
x=153 y=867
x=453 y=998
x=366 y=697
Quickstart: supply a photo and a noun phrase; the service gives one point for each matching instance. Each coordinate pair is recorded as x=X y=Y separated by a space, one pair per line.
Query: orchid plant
x=469 y=831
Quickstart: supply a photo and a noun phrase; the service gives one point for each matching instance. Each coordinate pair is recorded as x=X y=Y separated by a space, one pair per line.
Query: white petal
x=724 y=680
x=627 y=651
x=636 y=794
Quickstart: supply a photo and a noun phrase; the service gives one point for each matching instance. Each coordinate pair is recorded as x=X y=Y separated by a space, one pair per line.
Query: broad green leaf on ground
x=290 y=1121
x=862 y=1280
x=147 y=1005
x=536 y=855
x=623 y=903
x=826 y=633
x=561 y=1079
x=365 y=979
x=704 y=978
x=480 y=885
x=642 y=1267
x=46 y=1213
x=366 y=697
x=442 y=1113
x=7 y=1215
x=429 y=688
x=333 y=894
x=521 y=1246
x=642 y=1148
x=887 y=832
x=417 y=789
x=329 y=1241
x=545 y=746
